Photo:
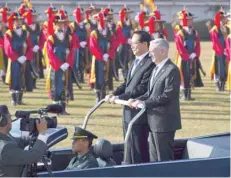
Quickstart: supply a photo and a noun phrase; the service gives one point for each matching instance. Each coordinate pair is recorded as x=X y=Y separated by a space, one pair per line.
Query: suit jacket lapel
x=129 y=72
x=137 y=68
x=160 y=73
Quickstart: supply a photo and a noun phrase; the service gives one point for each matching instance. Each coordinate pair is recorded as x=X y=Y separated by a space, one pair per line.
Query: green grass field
x=208 y=114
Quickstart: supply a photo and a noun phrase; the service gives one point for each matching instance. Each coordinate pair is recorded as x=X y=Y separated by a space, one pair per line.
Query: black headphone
x=3 y=115
x=3 y=120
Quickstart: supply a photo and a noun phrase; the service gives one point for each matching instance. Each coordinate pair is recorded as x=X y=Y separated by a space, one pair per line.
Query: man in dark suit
x=135 y=86
x=162 y=102
x=13 y=157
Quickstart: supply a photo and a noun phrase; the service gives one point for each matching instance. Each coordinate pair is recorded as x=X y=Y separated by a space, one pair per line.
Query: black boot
x=222 y=86
x=64 y=109
x=189 y=95
x=3 y=79
x=97 y=93
x=19 y=98
x=217 y=86
x=184 y=97
x=102 y=94
x=82 y=77
x=34 y=82
x=14 y=99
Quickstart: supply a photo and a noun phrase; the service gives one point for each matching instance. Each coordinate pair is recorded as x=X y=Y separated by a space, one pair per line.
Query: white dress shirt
x=156 y=70
x=160 y=65
x=139 y=58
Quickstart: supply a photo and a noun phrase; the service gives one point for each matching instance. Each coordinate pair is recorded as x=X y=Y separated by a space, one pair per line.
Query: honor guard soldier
x=81 y=55
x=18 y=48
x=218 y=69
x=142 y=17
x=156 y=25
x=188 y=47
x=91 y=25
x=2 y=56
x=47 y=29
x=113 y=67
x=60 y=49
x=227 y=51
x=33 y=27
x=4 y=13
x=124 y=32
x=90 y=12
x=82 y=142
x=102 y=47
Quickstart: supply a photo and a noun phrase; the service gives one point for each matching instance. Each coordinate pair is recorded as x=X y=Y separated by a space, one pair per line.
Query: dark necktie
x=134 y=66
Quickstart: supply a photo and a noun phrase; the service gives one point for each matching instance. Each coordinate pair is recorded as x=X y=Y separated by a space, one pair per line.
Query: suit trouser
x=138 y=143
x=161 y=146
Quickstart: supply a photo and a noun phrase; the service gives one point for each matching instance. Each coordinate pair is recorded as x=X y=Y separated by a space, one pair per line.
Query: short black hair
x=144 y=36
x=3 y=115
x=4 y=109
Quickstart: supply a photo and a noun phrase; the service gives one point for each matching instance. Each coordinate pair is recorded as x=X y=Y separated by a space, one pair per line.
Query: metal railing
x=129 y=130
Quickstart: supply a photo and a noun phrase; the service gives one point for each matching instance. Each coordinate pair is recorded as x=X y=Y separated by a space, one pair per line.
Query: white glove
x=137 y=18
x=2 y=73
x=105 y=57
x=36 y=49
x=88 y=26
x=129 y=41
x=192 y=56
x=155 y=35
x=21 y=59
x=65 y=66
x=83 y=44
x=67 y=51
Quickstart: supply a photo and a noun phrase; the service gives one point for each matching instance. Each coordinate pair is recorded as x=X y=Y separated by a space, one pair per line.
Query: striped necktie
x=153 y=76
x=134 y=66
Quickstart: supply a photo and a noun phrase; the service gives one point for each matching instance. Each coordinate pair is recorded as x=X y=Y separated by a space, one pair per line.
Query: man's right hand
x=41 y=126
x=107 y=98
x=113 y=98
x=64 y=66
x=130 y=101
x=21 y=59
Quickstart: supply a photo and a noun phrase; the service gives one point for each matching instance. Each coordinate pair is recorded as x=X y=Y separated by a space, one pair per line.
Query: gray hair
x=160 y=43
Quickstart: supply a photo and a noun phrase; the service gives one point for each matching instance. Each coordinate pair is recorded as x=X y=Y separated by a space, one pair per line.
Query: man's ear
x=163 y=51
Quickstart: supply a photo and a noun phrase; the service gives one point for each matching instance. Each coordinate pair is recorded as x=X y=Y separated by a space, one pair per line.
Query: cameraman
x=13 y=157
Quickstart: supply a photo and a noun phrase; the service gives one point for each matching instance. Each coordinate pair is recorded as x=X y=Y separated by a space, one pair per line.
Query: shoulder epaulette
x=45 y=23
x=94 y=33
x=177 y=28
x=72 y=27
x=51 y=38
x=70 y=37
x=24 y=27
x=119 y=24
x=214 y=29
x=9 y=33
x=180 y=32
x=85 y=21
x=72 y=24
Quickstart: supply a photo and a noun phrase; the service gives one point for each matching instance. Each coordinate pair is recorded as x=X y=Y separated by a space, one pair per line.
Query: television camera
x=28 y=123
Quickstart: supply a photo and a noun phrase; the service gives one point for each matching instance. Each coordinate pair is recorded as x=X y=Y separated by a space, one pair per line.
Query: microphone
x=54 y=108
x=22 y=114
